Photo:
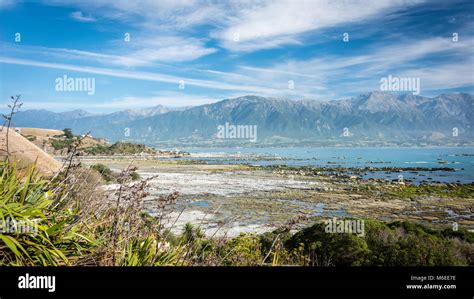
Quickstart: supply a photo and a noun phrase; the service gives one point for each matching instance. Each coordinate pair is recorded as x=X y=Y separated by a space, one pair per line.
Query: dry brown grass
x=25 y=153
x=39 y=132
x=43 y=137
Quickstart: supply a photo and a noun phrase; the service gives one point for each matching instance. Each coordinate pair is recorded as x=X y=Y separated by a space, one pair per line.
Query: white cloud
x=326 y=75
x=444 y=76
x=168 y=49
x=150 y=13
x=145 y=76
x=272 y=23
x=252 y=45
x=79 y=16
x=320 y=77
x=160 y=29
x=145 y=51
x=259 y=24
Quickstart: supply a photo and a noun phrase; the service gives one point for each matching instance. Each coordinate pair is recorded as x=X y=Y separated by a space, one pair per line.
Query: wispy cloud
x=146 y=76
x=258 y=24
x=79 y=16
x=143 y=52
x=361 y=72
x=168 y=49
x=314 y=78
x=151 y=14
x=270 y=24
x=74 y=55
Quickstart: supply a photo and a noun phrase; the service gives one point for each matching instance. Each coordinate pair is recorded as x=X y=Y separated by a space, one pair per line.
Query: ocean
x=461 y=159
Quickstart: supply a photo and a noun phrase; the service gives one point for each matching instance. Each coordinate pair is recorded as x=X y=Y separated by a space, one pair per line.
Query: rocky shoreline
x=229 y=199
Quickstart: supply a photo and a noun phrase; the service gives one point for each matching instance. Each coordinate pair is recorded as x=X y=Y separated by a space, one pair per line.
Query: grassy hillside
x=25 y=153
x=57 y=142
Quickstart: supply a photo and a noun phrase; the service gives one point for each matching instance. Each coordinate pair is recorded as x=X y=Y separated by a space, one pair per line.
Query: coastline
x=259 y=199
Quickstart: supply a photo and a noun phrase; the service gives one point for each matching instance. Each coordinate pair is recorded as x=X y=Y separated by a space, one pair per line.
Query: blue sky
x=224 y=49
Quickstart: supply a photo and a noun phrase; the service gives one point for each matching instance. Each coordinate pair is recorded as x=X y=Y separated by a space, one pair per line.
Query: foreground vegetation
x=77 y=223
x=110 y=176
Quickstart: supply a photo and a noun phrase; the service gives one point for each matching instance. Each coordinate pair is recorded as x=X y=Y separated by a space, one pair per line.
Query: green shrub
x=394 y=244
x=118 y=148
x=326 y=249
x=68 y=133
x=244 y=250
x=104 y=171
x=59 y=144
x=149 y=252
x=97 y=149
x=134 y=175
x=51 y=237
x=30 y=137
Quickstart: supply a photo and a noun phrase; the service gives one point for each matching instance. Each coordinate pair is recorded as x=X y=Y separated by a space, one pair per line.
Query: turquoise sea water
x=459 y=158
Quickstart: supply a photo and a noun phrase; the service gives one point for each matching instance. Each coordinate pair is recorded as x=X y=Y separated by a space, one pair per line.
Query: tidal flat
x=227 y=199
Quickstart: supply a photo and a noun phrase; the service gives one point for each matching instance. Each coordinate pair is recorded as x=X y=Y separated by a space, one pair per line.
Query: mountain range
x=374 y=118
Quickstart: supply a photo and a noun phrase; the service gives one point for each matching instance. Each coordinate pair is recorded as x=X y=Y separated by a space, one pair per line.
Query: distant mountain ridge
x=374 y=117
